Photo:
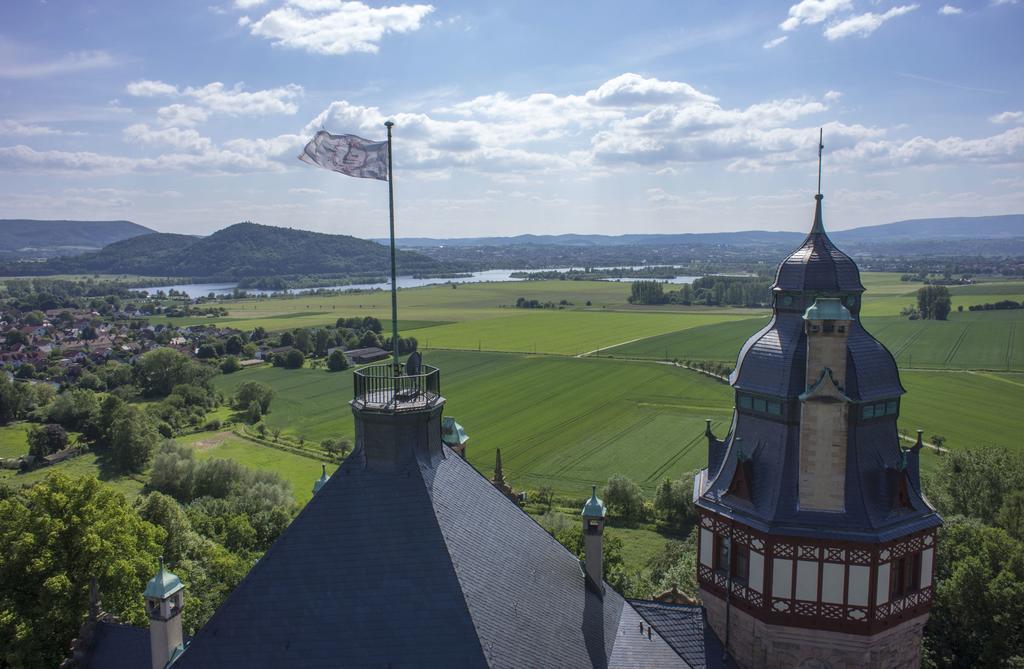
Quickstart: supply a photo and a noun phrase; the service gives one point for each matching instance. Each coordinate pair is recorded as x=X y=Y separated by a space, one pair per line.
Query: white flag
x=348 y=154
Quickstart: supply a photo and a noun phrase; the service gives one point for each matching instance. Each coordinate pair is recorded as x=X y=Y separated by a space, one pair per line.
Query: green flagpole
x=394 y=279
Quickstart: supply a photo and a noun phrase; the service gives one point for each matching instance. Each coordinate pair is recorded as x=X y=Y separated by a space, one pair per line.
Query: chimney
x=164 y=598
x=593 y=530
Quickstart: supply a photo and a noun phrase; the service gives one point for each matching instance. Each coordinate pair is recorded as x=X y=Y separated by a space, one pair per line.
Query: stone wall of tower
x=754 y=644
x=823 y=420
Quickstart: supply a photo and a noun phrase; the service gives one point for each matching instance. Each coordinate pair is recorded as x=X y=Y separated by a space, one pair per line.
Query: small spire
x=819 y=226
x=499 y=473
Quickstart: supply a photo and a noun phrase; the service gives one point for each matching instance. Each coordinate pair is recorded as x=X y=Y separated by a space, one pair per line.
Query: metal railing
x=377 y=387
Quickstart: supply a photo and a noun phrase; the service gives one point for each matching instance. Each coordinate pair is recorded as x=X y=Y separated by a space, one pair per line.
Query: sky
x=512 y=117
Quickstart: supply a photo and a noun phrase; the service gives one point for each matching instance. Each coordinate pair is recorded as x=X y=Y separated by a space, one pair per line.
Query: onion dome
x=163 y=585
x=818 y=265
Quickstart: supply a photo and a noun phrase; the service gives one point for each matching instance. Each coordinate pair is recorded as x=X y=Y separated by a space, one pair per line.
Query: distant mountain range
x=25 y=238
x=914 y=230
x=244 y=250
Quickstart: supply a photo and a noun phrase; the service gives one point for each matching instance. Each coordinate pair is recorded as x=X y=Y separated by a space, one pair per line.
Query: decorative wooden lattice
x=834 y=554
x=783 y=550
x=808 y=552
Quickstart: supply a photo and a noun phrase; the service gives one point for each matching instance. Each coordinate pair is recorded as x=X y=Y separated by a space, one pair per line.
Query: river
x=203 y=289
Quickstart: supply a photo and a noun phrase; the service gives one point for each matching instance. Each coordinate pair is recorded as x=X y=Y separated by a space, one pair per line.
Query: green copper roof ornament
x=452 y=433
x=163 y=585
x=827 y=309
x=594 y=508
x=320 y=482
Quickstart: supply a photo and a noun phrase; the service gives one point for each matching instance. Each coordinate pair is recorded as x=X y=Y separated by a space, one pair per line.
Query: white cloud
x=863 y=25
x=627 y=90
x=832 y=96
x=950 y=10
x=12 y=128
x=1006 y=148
x=237 y=102
x=76 y=61
x=1007 y=117
x=181 y=115
x=772 y=43
x=248 y=4
x=306 y=191
x=334 y=27
x=179 y=138
x=148 y=88
x=813 y=11
x=216 y=98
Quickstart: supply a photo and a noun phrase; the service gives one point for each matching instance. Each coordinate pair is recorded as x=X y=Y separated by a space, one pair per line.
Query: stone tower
x=165 y=596
x=816 y=548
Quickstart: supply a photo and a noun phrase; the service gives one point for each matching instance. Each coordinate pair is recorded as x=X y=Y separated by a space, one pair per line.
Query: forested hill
x=244 y=250
x=26 y=238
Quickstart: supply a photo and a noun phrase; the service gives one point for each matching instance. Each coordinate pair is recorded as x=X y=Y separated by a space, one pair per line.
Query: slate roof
x=818 y=265
x=426 y=564
x=685 y=628
x=116 y=646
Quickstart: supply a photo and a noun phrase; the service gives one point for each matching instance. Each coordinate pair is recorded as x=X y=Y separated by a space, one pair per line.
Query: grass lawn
x=83 y=465
x=14 y=440
x=299 y=471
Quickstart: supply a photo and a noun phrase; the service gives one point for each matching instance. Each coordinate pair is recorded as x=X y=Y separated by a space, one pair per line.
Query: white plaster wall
x=926 y=567
x=858 y=592
x=782 y=578
x=756 y=578
x=832 y=583
x=882 y=591
x=707 y=546
x=806 y=580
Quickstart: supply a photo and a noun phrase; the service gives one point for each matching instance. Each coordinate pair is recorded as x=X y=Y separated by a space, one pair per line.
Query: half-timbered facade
x=815 y=544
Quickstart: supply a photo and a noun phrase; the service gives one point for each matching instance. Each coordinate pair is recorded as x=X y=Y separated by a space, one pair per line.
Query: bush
x=230 y=364
x=253 y=391
x=46 y=440
x=294 y=359
x=673 y=502
x=337 y=361
x=623 y=498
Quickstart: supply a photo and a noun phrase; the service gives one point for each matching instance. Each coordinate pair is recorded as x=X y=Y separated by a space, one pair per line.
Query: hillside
x=27 y=238
x=917 y=230
x=244 y=250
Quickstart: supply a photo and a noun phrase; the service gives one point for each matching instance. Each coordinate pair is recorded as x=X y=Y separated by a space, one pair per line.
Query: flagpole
x=394 y=279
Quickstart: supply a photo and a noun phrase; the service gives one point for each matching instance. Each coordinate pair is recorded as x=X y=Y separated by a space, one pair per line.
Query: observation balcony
x=380 y=388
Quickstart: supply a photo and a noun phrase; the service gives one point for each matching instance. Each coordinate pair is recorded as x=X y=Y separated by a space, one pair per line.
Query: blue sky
x=512 y=117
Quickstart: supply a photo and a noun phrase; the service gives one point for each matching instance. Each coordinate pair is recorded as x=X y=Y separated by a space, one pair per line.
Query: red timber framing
x=871 y=615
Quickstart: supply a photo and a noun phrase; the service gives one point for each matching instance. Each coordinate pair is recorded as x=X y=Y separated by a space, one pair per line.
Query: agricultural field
x=562 y=422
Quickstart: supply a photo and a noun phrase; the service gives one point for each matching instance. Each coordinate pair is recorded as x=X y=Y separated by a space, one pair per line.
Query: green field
x=562 y=422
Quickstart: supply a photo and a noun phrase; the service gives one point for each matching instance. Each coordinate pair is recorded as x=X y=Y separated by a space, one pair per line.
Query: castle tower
x=816 y=548
x=165 y=596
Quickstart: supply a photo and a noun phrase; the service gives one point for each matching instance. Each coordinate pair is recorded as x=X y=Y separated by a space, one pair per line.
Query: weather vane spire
x=821 y=147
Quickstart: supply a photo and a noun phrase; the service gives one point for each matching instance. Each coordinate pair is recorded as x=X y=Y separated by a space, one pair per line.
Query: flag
x=348 y=154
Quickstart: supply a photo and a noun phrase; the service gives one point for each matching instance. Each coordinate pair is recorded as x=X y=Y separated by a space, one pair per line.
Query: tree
x=674 y=502
x=647 y=292
x=233 y=346
x=253 y=412
x=302 y=341
x=978 y=599
x=294 y=359
x=623 y=497
x=74 y=409
x=287 y=339
x=46 y=440
x=337 y=361
x=933 y=302
x=159 y=370
x=12 y=400
x=253 y=391
x=369 y=339
x=230 y=365
x=54 y=538
x=133 y=436
x=321 y=339
x=545 y=497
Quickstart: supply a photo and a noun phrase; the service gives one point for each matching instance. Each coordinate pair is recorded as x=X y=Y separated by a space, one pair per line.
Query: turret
x=593 y=515
x=165 y=596
x=454 y=436
x=824 y=407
